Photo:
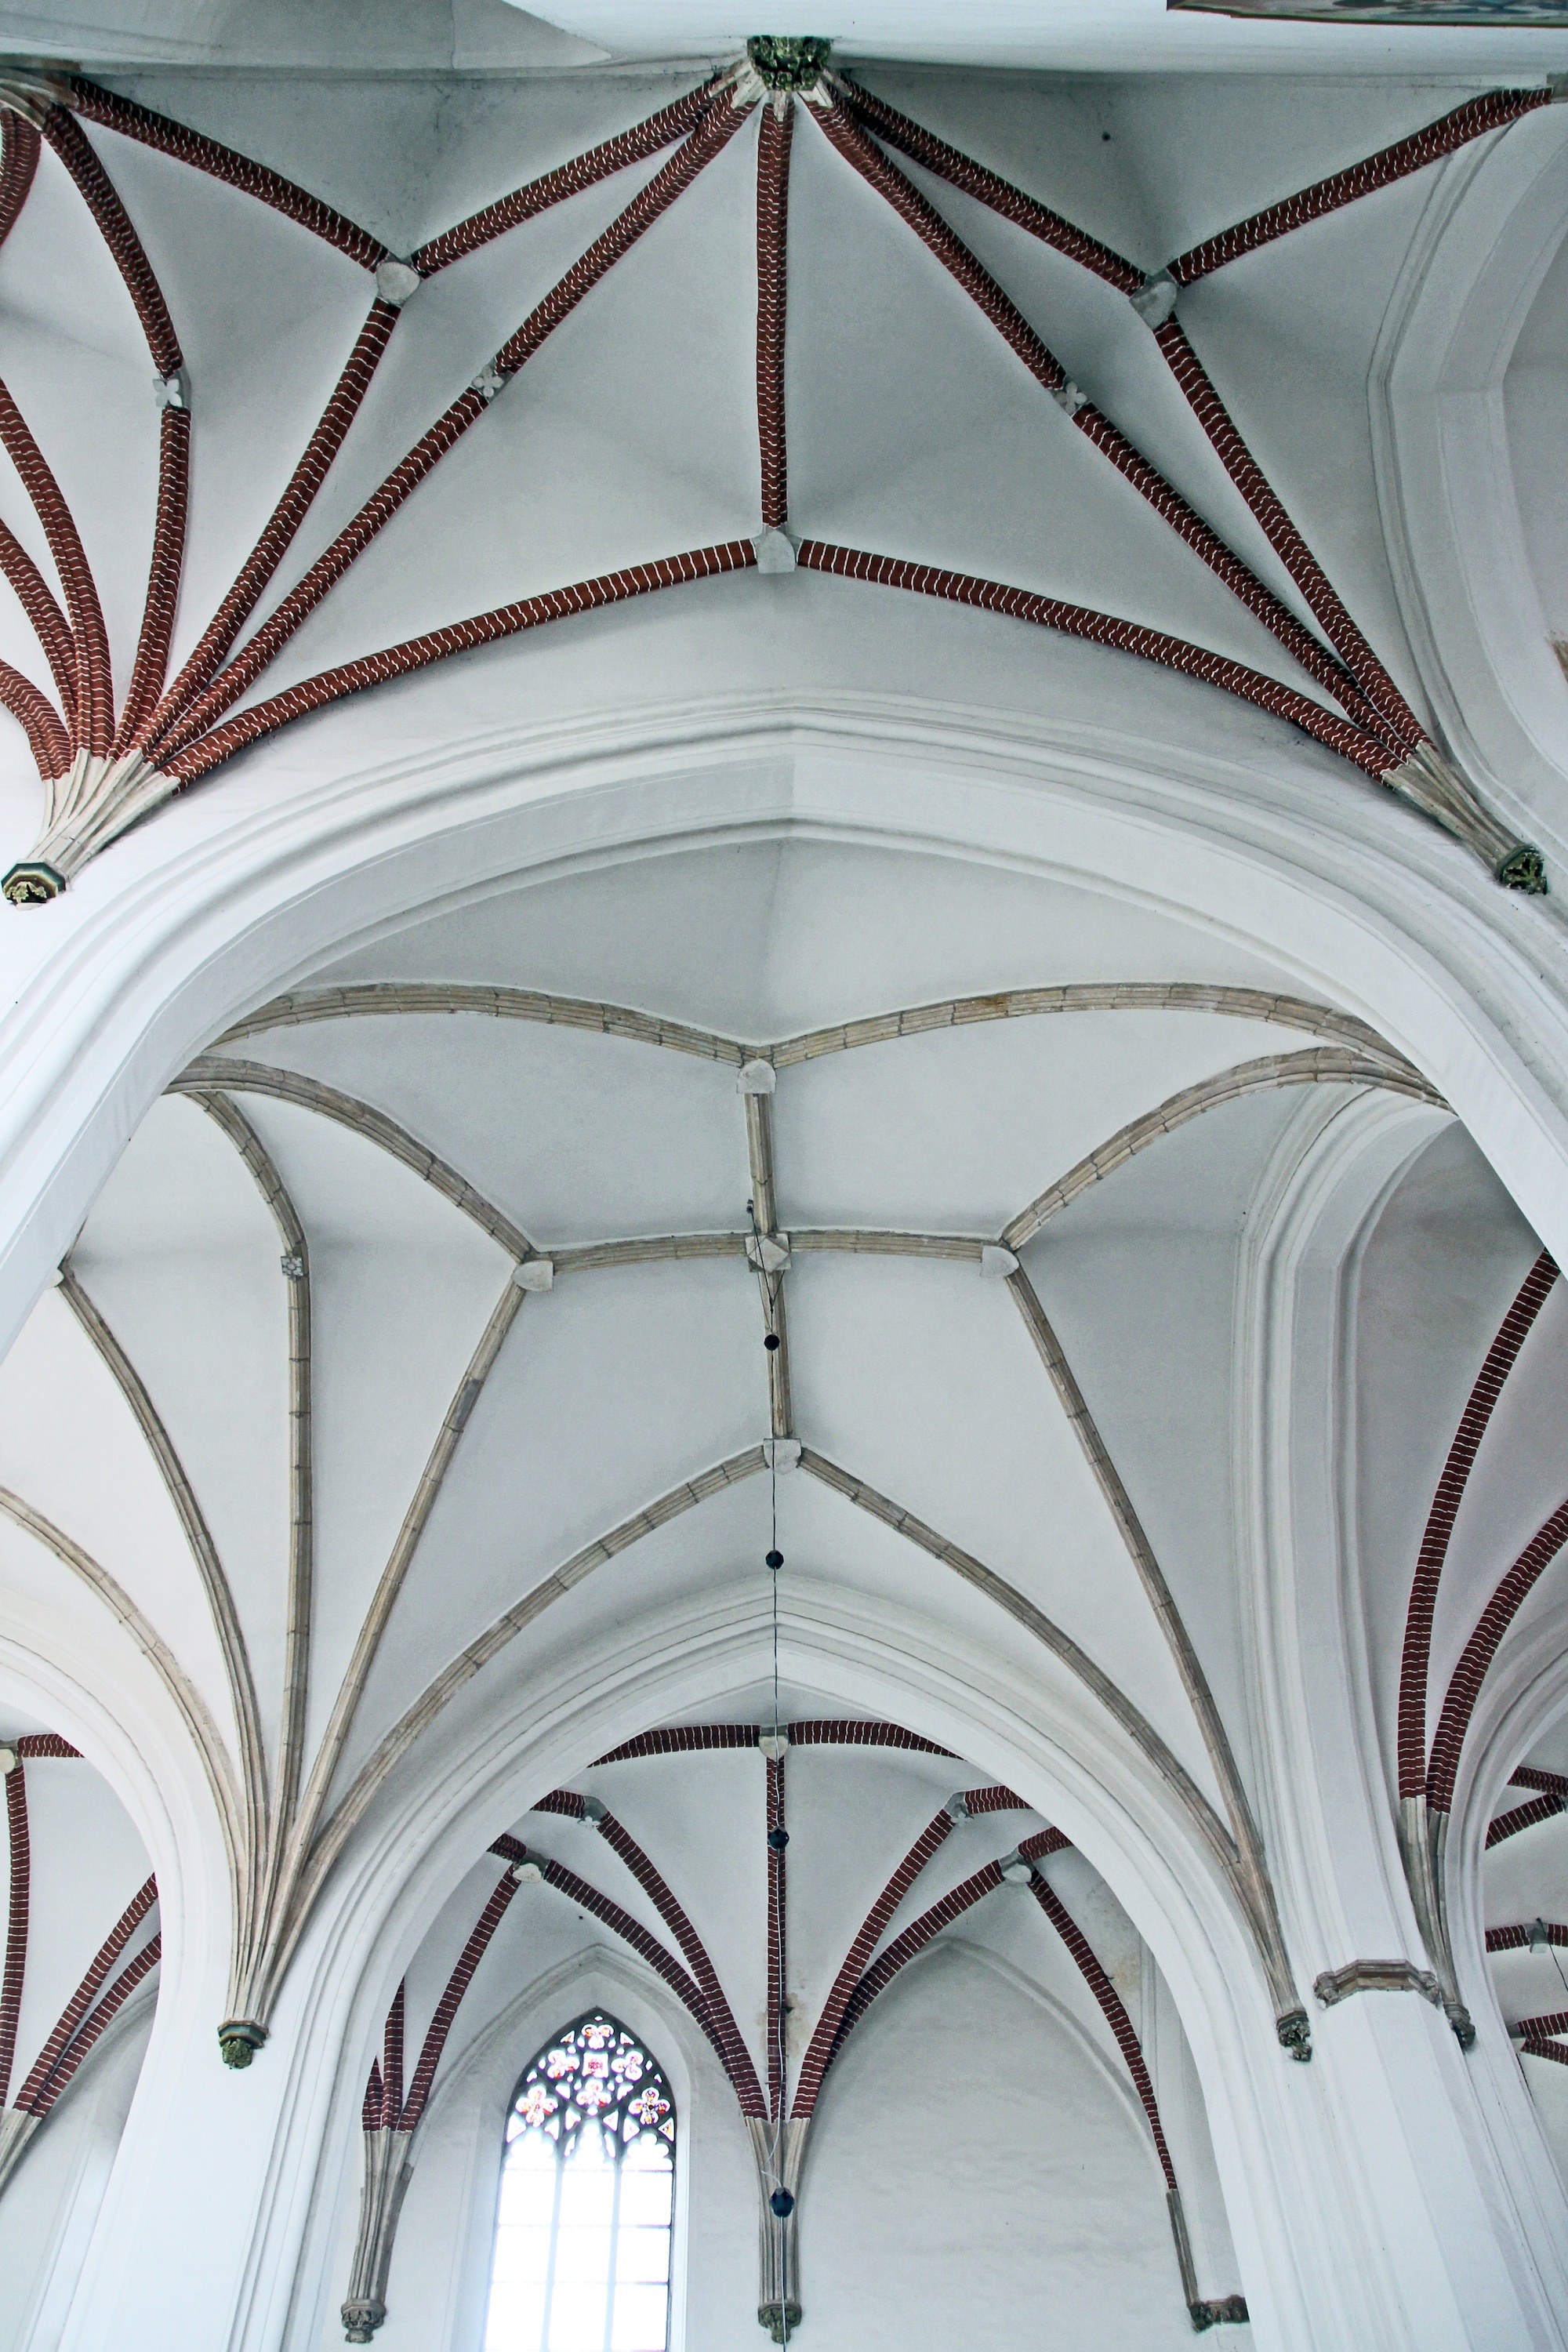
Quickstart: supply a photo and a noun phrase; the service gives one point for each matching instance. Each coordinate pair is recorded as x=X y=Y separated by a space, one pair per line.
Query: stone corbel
x=386 y=2177
x=1430 y=783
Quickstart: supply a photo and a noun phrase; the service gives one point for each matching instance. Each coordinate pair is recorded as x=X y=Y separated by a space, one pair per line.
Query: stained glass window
x=587 y=2187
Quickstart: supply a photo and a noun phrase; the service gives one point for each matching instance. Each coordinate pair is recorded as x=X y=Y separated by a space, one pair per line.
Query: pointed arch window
x=581 y=2259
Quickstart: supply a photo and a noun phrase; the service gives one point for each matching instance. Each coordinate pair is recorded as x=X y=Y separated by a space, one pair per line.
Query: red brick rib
x=461 y=636
x=620 y=1923
x=76 y=2009
x=1046 y=369
x=21 y=1853
x=1500 y=1361
x=1544 y=2050
x=93 y=713
x=961 y=170
x=1406 y=155
x=819 y=2051
x=1535 y=2029
x=124 y=1985
x=1523 y=1817
x=1479 y=1651
x=773 y=236
x=46 y=737
x=19 y=145
x=1115 y=2015
x=1554 y=1784
x=391 y=2060
x=163 y=577
x=458 y=1984
x=44 y=1743
x=671 y=122
x=1101 y=628
x=1516 y=1938
x=1368 y=692
x=845 y=1732
x=69 y=142
x=694 y=1952
x=49 y=623
x=777 y=1949
x=449 y=429
x=133 y=121
x=282 y=523
x=683 y=1739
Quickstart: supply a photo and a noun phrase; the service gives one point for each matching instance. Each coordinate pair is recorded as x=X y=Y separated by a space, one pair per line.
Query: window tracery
x=582 y=2248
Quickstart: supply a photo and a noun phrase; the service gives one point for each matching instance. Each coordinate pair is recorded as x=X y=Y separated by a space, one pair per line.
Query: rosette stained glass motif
x=583 y=2227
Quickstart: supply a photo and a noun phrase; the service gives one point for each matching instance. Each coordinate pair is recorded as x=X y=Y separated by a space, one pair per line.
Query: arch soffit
x=1444 y=471
x=139 y=979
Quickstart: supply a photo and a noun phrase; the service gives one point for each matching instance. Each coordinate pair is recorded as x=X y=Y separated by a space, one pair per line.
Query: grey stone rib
x=215 y=1583
x=1318 y=1066
x=217 y=1074
x=396 y=1742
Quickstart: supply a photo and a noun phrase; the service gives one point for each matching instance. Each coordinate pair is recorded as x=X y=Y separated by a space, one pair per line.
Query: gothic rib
x=1533 y=2028
x=1473 y=121
x=19 y=1846
x=819 y=2050
x=392 y=2058
x=19 y=146
x=187 y=1699
x=645 y=1249
x=1523 y=1817
x=737 y=2058
x=684 y=1738
x=296 y=1268
x=209 y=1567
x=1353 y=743
x=1500 y=1358
x=41 y=723
x=279 y=532
x=760 y=1157
x=1114 y=2012
x=459 y=637
x=1390 y=715
x=45 y=1743
x=1517 y=1938
x=416 y=1519
x=922 y=147
x=775 y=132
x=1252 y=1860
x=1077 y=1661
x=1527 y=1776
x=1082 y=996
x=1047 y=371
x=620 y=1923
x=186 y=146
x=930 y=1925
x=387 y=997
x=214 y=1074
x=70 y=144
x=92 y=716
x=409 y=2112
x=81 y=2000
x=633 y=146
x=47 y=621
x=114 y=1998
x=777 y=1939
x=1479 y=1651
x=1318 y=1065
x=242 y=671
x=395 y=1743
